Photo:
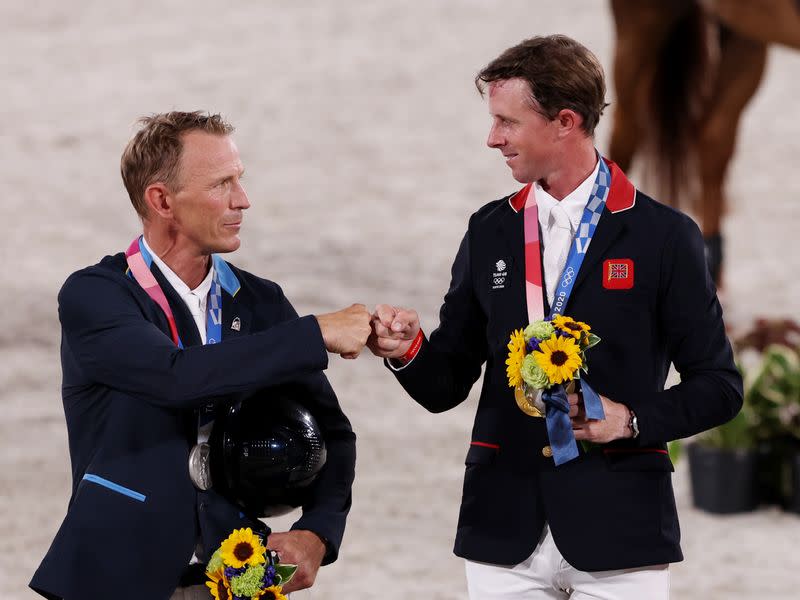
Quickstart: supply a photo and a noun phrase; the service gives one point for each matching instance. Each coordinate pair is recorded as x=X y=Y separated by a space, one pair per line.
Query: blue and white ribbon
x=559 y=427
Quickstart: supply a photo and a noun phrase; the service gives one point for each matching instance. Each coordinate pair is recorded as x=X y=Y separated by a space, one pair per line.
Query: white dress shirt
x=572 y=204
x=196 y=300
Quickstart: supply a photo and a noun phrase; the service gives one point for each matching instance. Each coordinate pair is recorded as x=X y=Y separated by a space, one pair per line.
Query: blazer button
x=547 y=452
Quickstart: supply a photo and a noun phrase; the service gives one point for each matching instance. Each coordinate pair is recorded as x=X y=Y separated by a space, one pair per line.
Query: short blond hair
x=153 y=153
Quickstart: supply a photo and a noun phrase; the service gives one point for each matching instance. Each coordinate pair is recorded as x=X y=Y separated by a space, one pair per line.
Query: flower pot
x=770 y=474
x=723 y=480
x=793 y=501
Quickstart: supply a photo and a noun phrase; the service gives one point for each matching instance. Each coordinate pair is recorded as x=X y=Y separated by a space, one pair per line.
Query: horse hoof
x=713 y=245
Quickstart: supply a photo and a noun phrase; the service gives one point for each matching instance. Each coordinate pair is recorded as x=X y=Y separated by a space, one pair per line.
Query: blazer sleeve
x=690 y=316
x=112 y=342
x=449 y=363
x=325 y=513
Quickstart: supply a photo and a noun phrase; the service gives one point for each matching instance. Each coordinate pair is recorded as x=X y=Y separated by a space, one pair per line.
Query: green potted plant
x=772 y=390
x=723 y=465
x=755 y=458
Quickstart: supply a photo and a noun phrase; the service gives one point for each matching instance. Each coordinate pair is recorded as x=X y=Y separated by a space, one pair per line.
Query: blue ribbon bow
x=559 y=427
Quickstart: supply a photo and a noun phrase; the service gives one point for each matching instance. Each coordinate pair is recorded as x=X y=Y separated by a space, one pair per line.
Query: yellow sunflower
x=516 y=353
x=218 y=586
x=273 y=592
x=569 y=325
x=242 y=548
x=559 y=357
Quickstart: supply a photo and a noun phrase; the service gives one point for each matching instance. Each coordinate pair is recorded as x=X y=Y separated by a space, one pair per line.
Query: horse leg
x=641 y=27
x=768 y=21
x=741 y=66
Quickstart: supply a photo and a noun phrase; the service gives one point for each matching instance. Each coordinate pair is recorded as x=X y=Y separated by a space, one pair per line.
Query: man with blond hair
x=156 y=341
x=541 y=517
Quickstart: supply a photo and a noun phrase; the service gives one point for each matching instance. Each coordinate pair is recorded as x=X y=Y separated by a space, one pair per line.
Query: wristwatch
x=633 y=424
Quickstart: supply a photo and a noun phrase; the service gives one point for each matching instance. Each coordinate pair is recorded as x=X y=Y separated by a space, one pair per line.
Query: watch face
x=634 y=425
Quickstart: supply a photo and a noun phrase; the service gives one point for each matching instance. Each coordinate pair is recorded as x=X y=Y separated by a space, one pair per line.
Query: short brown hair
x=560 y=72
x=153 y=153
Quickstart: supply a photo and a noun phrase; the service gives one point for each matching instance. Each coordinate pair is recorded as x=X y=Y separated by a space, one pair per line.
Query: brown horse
x=684 y=70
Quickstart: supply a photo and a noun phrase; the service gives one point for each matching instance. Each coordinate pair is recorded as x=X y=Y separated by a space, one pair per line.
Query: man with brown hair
x=541 y=518
x=156 y=342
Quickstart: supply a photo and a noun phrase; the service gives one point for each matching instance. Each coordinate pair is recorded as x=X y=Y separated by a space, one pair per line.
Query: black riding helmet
x=267 y=450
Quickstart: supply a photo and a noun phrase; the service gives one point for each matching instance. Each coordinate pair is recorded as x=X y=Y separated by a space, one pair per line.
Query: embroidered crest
x=236 y=325
x=499 y=275
x=618 y=274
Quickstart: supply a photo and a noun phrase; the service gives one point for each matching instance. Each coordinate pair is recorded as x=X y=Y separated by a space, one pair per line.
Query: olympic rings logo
x=569 y=275
x=499 y=280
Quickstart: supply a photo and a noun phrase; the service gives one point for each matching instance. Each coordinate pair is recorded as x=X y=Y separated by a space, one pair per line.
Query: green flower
x=249 y=583
x=541 y=330
x=533 y=374
x=215 y=564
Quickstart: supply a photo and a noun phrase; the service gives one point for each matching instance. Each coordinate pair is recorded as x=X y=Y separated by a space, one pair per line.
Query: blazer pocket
x=481 y=453
x=114 y=487
x=638 y=459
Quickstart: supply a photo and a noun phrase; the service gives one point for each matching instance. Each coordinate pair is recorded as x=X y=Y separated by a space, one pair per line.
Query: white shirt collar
x=200 y=292
x=573 y=203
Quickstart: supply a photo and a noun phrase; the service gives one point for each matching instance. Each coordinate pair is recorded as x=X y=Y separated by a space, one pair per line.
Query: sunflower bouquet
x=243 y=569
x=545 y=354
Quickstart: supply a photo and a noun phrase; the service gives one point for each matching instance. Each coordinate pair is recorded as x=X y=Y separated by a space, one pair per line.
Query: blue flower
x=231 y=572
x=532 y=345
x=269 y=575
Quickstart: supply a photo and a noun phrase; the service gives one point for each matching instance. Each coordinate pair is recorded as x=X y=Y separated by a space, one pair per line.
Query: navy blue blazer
x=130 y=398
x=611 y=508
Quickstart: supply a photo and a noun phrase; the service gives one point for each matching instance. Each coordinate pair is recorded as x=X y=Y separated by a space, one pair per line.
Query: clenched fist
x=346 y=331
x=393 y=330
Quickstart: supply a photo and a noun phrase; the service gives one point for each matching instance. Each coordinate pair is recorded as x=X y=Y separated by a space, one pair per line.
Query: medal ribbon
x=559 y=427
x=139 y=262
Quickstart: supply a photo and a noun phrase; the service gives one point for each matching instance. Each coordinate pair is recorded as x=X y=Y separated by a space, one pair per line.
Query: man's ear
x=568 y=122
x=158 y=200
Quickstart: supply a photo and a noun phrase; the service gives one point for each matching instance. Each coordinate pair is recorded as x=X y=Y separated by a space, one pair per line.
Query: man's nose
x=495 y=140
x=239 y=197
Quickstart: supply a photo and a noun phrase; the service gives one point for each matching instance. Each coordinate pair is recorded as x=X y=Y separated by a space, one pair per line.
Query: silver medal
x=200 y=466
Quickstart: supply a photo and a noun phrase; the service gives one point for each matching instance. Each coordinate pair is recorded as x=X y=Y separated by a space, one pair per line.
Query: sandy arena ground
x=363 y=139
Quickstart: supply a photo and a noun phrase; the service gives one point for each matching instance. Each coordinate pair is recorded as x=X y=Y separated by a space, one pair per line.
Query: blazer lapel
x=608 y=229
x=611 y=225
x=512 y=231
x=621 y=198
x=236 y=317
x=184 y=321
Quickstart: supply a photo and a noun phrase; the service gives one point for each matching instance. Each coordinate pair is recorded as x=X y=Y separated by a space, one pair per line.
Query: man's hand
x=302 y=548
x=613 y=427
x=346 y=331
x=393 y=331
